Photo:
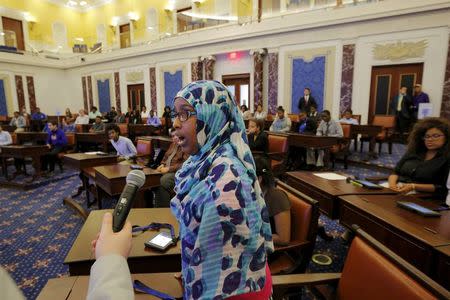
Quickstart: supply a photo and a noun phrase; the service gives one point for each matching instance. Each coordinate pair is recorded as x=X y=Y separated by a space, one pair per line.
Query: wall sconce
x=31 y=24
x=113 y=29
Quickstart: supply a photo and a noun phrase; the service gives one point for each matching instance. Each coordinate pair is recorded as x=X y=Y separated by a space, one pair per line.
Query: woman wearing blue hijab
x=224 y=224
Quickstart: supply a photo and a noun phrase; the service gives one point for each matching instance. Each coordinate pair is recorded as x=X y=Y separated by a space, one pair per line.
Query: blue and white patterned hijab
x=224 y=223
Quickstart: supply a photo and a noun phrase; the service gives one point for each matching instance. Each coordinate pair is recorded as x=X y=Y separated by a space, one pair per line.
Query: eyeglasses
x=183 y=115
x=432 y=137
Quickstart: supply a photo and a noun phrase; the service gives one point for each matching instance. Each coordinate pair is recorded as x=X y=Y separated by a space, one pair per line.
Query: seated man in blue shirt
x=124 y=146
x=153 y=119
x=56 y=142
x=38 y=120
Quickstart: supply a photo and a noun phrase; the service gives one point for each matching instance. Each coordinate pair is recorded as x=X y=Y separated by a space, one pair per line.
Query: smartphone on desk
x=136 y=167
x=369 y=185
x=160 y=242
x=418 y=209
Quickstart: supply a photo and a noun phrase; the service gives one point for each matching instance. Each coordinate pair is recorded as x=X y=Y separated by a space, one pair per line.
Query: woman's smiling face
x=186 y=132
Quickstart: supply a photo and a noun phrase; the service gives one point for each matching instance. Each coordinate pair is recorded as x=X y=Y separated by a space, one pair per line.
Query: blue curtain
x=3 y=107
x=104 y=97
x=308 y=74
x=172 y=84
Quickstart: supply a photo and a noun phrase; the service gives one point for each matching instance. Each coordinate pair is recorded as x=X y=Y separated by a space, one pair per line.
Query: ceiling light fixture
x=83 y=3
x=72 y=3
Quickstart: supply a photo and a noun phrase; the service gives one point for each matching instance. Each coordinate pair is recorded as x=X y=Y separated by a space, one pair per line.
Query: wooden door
x=136 y=96
x=125 y=37
x=13 y=33
x=239 y=85
x=386 y=82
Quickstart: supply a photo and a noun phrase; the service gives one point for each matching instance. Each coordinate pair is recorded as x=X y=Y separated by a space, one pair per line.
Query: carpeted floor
x=37 y=230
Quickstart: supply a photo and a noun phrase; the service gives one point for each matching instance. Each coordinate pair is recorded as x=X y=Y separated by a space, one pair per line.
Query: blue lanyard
x=157 y=226
x=138 y=285
x=141 y=287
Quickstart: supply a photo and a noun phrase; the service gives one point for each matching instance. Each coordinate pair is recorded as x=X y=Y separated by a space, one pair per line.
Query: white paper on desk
x=330 y=176
x=95 y=153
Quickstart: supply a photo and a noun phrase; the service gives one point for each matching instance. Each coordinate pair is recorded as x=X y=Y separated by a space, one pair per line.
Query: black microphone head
x=348 y=179
x=136 y=178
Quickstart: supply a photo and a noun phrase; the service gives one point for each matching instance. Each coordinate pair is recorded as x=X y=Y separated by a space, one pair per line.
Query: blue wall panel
x=308 y=74
x=104 y=96
x=172 y=84
x=3 y=107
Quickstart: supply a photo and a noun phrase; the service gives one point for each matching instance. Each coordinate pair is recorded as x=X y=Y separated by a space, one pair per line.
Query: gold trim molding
x=399 y=50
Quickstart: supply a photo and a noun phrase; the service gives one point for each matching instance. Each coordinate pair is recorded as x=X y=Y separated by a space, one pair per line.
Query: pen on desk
x=430 y=230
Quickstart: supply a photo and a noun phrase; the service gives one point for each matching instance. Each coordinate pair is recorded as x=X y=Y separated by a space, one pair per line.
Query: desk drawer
x=411 y=250
x=442 y=273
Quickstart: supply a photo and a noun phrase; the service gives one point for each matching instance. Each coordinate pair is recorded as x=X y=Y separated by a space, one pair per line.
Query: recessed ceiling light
x=149 y=27
x=83 y=3
x=72 y=3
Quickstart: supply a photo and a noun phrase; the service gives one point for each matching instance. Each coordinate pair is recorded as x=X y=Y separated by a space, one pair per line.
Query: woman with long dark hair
x=425 y=165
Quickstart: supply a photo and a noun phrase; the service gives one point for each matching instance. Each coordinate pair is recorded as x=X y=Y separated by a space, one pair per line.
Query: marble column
x=273 y=84
x=348 y=61
x=258 y=59
x=445 y=106
x=209 y=62
x=153 y=99
x=31 y=93
x=20 y=92
x=117 y=91
x=85 y=100
x=197 y=70
x=89 y=89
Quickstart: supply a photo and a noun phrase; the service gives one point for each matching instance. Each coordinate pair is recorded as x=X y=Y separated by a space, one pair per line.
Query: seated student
x=277 y=202
x=82 y=118
x=246 y=113
x=153 y=119
x=314 y=114
x=56 y=142
x=67 y=126
x=259 y=113
x=124 y=146
x=94 y=113
x=144 y=112
x=327 y=127
x=281 y=123
x=167 y=115
x=120 y=118
x=98 y=126
x=172 y=161
x=425 y=165
x=257 y=138
x=297 y=155
x=38 y=120
x=68 y=114
x=111 y=115
x=5 y=137
x=18 y=121
x=347 y=118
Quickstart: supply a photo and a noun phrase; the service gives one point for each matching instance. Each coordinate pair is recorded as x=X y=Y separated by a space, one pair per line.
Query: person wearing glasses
x=425 y=165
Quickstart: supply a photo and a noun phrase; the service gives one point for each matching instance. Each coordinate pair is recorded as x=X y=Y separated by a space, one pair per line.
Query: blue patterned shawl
x=224 y=224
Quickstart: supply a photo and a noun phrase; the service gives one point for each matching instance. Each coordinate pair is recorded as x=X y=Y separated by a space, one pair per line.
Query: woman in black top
x=167 y=118
x=425 y=165
x=277 y=202
x=257 y=138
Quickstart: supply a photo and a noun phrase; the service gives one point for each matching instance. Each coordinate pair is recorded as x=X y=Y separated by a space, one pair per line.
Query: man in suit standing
x=402 y=107
x=305 y=102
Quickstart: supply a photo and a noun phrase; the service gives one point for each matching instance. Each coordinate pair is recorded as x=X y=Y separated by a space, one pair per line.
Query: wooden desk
x=92 y=138
x=136 y=130
x=23 y=151
x=367 y=131
x=411 y=236
x=111 y=180
x=34 y=138
x=82 y=161
x=8 y=128
x=76 y=287
x=141 y=259
x=443 y=267
x=327 y=192
x=162 y=142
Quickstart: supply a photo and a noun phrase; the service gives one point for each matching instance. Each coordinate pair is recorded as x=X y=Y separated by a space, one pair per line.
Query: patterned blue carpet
x=37 y=230
x=384 y=159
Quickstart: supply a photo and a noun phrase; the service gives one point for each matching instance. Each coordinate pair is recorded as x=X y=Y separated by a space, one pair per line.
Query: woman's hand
x=109 y=242
x=406 y=188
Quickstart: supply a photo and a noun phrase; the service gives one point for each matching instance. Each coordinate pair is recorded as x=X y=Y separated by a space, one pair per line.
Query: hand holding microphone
x=114 y=237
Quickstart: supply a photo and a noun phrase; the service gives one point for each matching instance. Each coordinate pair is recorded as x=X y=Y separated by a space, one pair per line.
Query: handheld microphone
x=135 y=180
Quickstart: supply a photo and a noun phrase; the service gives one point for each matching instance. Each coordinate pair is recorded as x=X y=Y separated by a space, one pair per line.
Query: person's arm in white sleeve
x=110 y=277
